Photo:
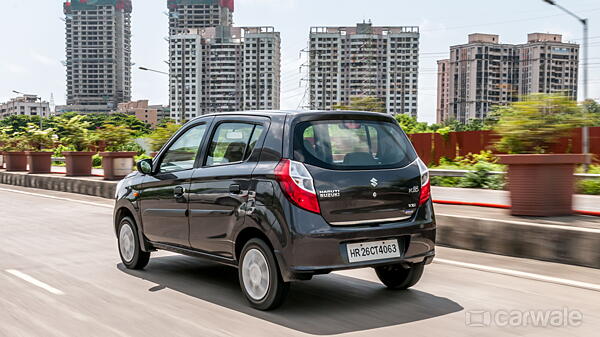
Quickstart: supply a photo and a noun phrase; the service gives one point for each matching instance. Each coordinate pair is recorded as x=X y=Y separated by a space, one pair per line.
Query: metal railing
x=461 y=173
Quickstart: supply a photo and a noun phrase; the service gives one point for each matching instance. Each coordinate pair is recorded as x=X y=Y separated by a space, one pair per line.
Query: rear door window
x=233 y=143
x=352 y=144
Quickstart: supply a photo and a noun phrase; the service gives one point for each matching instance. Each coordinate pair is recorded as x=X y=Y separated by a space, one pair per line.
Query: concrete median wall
x=88 y=186
x=556 y=243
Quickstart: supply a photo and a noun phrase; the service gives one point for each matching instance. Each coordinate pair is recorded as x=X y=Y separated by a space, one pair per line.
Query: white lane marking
x=34 y=281
x=521 y=274
x=56 y=198
x=563 y=227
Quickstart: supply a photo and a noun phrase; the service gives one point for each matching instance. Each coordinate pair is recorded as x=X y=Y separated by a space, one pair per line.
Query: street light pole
x=585 y=132
x=179 y=78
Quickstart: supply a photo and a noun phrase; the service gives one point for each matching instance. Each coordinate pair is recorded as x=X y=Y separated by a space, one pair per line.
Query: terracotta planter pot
x=117 y=165
x=15 y=161
x=78 y=163
x=541 y=184
x=39 y=162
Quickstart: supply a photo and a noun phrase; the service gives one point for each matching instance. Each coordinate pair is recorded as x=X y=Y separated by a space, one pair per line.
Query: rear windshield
x=352 y=144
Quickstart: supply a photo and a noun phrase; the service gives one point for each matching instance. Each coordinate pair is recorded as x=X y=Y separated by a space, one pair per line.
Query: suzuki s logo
x=374 y=182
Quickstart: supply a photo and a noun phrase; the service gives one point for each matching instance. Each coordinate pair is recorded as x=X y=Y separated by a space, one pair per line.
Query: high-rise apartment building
x=261 y=68
x=197 y=14
x=224 y=68
x=546 y=64
x=443 y=95
x=484 y=73
x=346 y=62
x=98 y=50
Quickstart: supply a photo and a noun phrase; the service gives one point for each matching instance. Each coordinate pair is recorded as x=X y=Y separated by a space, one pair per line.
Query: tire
x=398 y=277
x=260 y=278
x=130 y=251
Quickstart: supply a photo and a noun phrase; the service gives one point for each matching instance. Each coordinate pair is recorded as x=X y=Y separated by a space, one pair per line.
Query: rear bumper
x=321 y=248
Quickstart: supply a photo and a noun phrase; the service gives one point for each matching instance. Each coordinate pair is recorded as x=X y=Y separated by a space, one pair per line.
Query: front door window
x=182 y=154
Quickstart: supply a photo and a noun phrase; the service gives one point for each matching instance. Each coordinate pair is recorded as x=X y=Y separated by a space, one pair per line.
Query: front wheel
x=260 y=278
x=130 y=250
x=397 y=276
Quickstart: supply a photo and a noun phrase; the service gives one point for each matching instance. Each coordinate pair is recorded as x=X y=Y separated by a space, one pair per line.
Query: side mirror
x=144 y=166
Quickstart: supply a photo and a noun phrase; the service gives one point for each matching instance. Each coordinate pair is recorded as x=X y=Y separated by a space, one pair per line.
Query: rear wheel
x=130 y=251
x=259 y=275
x=397 y=276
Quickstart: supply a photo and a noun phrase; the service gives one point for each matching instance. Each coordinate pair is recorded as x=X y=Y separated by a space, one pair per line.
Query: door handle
x=235 y=189
x=178 y=191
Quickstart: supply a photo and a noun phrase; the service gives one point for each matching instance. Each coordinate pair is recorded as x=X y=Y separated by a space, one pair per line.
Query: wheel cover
x=255 y=274
x=126 y=242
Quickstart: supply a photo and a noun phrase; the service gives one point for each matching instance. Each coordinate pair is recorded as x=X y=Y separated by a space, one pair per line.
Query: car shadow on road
x=327 y=305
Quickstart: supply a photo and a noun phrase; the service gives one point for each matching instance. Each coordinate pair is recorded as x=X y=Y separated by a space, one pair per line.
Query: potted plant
x=161 y=135
x=39 y=144
x=80 y=140
x=540 y=183
x=117 y=161
x=13 y=148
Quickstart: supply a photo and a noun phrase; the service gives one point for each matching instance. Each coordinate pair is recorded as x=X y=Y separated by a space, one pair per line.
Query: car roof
x=304 y=113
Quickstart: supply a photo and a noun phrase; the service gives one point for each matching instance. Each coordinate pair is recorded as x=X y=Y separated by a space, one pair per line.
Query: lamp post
x=182 y=112
x=585 y=132
x=36 y=98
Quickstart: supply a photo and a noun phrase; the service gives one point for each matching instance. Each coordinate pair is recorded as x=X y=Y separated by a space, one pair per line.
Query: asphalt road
x=60 y=275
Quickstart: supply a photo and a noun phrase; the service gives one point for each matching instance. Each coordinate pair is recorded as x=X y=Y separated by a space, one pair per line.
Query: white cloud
x=43 y=59
x=15 y=68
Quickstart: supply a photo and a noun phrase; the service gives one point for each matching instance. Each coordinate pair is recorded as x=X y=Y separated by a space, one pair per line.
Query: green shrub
x=537 y=122
x=481 y=178
x=96 y=161
x=133 y=147
x=37 y=139
x=77 y=136
x=588 y=186
x=445 y=181
x=115 y=136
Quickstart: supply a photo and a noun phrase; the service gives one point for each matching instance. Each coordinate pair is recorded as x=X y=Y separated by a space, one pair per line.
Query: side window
x=232 y=143
x=181 y=155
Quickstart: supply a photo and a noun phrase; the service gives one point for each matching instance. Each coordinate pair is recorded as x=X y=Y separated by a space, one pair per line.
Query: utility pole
x=585 y=132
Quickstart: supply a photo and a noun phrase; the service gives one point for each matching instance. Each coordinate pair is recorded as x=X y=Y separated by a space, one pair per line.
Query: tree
x=357 y=103
x=410 y=124
x=98 y=120
x=593 y=108
x=18 y=123
x=161 y=135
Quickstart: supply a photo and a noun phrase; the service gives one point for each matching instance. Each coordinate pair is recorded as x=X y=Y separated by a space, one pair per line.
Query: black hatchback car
x=283 y=196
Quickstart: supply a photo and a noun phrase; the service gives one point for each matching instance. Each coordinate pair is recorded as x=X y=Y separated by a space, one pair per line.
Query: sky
x=32 y=38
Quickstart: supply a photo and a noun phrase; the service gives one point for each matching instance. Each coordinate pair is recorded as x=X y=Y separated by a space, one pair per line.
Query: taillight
x=425 y=193
x=297 y=184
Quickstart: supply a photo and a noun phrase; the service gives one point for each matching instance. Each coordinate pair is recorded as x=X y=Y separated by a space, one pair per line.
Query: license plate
x=372 y=250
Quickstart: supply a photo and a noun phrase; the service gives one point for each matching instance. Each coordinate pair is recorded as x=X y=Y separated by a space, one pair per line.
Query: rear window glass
x=352 y=144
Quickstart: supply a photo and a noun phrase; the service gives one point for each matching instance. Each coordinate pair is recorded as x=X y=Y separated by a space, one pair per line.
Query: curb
x=54 y=182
